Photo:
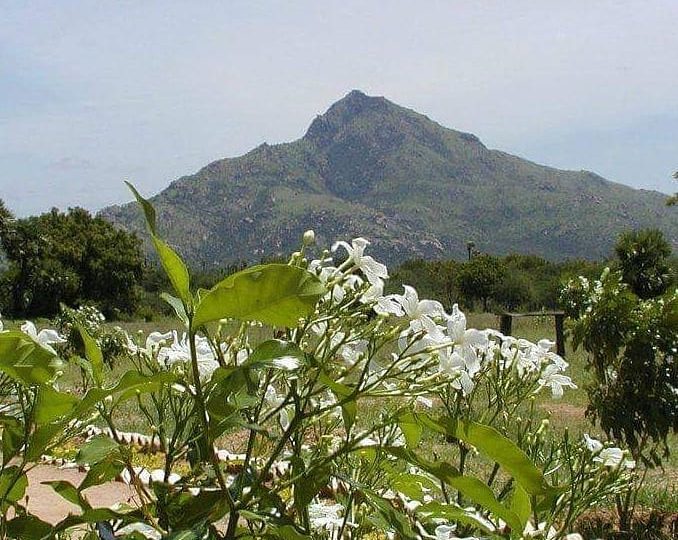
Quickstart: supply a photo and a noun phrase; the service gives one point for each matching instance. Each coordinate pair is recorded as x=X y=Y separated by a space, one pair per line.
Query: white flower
x=383 y=305
x=353 y=351
x=374 y=271
x=420 y=312
x=326 y=516
x=145 y=530
x=552 y=377
x=45 y=337
x=180 y=351
x=446 y=532
x=425 y=402
x=275 y=400
x=468 y=343
x=156 y=339
x=455 y=366
x=594 y=445
x=614 y=458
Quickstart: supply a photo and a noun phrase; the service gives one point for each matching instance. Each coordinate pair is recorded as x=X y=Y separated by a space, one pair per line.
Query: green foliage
x=274 y=294
x=69 y=258
x=631 y=342
x=327 y=410
x=480 y=278
x=69 y=323
x=644 y=262
x=530 y=283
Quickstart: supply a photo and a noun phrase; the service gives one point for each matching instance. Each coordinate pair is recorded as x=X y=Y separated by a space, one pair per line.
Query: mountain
x=368 y=167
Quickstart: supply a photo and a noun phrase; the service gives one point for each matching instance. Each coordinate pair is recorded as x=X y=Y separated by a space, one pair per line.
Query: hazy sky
x=95 y=92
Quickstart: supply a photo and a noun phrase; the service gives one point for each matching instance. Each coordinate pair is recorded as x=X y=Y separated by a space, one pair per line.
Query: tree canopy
x=68 y=257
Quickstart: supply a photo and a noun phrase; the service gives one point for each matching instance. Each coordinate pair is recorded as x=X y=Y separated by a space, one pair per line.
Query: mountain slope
x=368 y=167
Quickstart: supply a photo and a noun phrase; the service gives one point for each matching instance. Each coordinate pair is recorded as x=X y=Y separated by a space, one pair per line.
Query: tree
x=70 y=258
x=643 y=258
x=479 y=278
x=627 y=322
x=513 y=291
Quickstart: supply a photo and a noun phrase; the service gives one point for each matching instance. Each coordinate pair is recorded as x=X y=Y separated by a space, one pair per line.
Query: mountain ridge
x=368 y=167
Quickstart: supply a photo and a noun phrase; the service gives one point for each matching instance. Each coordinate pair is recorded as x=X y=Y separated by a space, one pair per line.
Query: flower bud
x=309 y=237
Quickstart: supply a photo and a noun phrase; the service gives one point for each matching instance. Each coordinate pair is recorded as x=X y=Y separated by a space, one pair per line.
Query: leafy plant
x=337 y=393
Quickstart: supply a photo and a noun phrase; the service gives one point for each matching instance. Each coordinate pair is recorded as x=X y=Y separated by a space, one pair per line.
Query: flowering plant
x=299 y=401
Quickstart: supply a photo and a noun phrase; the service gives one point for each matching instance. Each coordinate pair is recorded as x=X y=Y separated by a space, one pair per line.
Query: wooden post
x=560 y=334
x=505 y=324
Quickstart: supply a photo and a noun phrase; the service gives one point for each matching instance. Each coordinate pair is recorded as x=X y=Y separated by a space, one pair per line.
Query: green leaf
x=274 y=294
x=183 y=535
x=69 y=492
x=25 y=360
x=349 y=407
x=520 y=503
x=28 y=527
x=391 y=518
x=286 y=532
x=412 y=485
x=13 y=484
x=504 y=451
x=306 y=488
x=174 y=267
x=102 y=472
x=436 y=510
x=12 y=437
x=185 y=511
x=97 y=449
x=276 y=353
x=88 y=516
x=469 y=486
x=50 y=404
x=177 y=305
x=93 y=354
x=411 y=429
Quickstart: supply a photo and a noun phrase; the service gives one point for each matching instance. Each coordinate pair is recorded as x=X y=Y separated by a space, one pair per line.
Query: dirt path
x=50 y=507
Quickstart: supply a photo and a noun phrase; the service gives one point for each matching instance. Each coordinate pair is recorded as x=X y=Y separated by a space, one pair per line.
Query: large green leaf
x=276 y=353
x=102 y=472
x=436 y=511
x=25 y=360
x=50 y=405
x=504 y=451
x=69 y=492
x=468 y=486
x=93 y=354
x=28 y=527
x=174 y=267
x=97 y=449
x=13 y=484
x=12 y=437
x=274 y=294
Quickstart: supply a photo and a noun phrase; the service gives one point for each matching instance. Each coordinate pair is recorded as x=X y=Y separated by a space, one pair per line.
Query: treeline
x=491 y=283
x=519 y=282
x=76 y=259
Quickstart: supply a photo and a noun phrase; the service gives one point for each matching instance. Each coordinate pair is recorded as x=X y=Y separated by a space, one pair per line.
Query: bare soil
x=50 y=507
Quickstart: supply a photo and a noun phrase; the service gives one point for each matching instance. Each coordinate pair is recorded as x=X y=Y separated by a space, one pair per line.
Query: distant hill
x=414 y=188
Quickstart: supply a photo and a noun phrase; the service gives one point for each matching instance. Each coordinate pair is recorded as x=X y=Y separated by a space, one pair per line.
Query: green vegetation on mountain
x=415 y=189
